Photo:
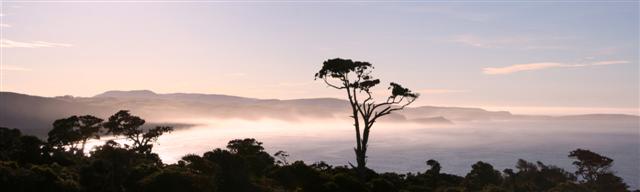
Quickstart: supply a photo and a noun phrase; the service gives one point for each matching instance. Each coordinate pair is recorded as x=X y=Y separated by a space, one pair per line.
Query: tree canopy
x=73 y=132
x=130 y=126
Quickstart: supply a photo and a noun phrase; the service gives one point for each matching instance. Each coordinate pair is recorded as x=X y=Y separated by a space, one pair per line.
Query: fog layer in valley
x=404 y=147
x=320 y=130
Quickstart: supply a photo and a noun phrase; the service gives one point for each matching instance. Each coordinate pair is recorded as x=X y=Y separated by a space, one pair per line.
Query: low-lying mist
x=404 y=147
x=320 y=130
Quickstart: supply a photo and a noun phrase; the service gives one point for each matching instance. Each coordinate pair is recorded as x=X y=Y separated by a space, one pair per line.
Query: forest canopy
x=28 y=163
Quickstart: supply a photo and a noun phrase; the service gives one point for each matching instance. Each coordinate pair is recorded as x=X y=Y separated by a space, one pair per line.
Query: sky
x=529 y=57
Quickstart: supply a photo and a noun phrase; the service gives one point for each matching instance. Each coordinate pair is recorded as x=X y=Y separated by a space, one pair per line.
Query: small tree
x=73 y=132
x=251 y=151
x=89 y=128
x=355 y=78
x=435 y=167
x=124 y=124
x=481 y=175
x=595 y=170
x=590 y=165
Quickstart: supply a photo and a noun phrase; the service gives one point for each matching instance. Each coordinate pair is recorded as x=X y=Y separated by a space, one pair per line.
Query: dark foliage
x=30 y=164
x=73 y=132
x=130 y=126
x=595 y=171
x=482 y=175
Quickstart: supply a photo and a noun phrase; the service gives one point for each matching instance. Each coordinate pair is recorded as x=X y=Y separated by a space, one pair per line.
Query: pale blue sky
x=520 y=55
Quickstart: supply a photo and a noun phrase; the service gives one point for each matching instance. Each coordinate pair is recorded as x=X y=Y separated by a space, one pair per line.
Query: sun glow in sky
x=546 y=56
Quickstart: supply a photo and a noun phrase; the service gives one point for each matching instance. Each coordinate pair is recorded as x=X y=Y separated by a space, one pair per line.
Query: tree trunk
x=360 y=149
x=360 y=152
x=361 y=155
x=361 y=158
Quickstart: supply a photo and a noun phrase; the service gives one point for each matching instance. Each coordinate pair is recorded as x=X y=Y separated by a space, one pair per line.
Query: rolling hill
x=34 y=114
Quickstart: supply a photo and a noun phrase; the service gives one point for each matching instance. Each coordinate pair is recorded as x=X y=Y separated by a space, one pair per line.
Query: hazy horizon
x=521 y=110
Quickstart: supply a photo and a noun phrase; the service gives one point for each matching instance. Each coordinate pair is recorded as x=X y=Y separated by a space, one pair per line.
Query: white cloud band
x=542 y=65
x=6 y=43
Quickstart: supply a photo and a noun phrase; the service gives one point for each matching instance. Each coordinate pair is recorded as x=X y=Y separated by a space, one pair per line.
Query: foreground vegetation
x=28 y=163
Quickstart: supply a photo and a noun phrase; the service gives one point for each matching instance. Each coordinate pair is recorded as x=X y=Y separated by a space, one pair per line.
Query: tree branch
x=331 y=85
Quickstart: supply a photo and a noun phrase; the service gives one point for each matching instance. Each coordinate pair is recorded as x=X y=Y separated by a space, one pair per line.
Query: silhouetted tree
x=355 y=78
x=435 y=167
x=595 y=171
x=535 y=177
x=233 y=171
x=246 y=146
x=253 y=153
x=124 y=124
x=482 y=175
x=73 y=132
x=9 y=143
x=199 y=164
x=590 y=165
x=25 y=149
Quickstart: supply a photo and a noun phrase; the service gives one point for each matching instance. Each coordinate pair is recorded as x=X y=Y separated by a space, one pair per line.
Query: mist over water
x=404 y=147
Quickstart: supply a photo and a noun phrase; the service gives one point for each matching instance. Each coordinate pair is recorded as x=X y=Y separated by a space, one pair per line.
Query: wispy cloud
x=520 y=67
x=542 y=65
x=520 y=42
x=441 y=91
x=13 y=68
x=6 y=43
x=610 y=62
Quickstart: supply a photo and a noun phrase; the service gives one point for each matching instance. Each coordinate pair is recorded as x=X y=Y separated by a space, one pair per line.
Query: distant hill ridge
x=147 y=94
x=34 y=114
x=129 y=94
